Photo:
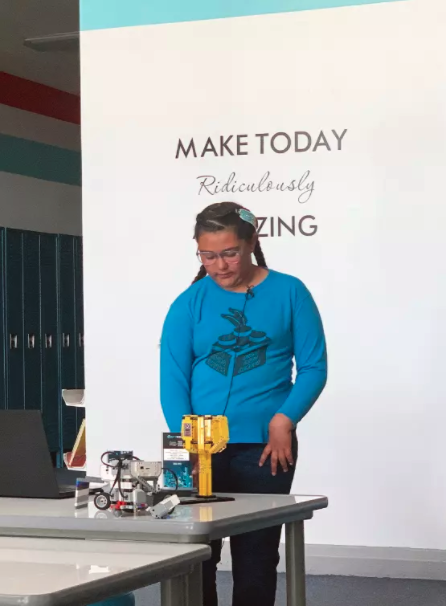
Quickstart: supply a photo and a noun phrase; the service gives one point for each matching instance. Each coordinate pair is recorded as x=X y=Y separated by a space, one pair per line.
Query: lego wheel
x=102 y=501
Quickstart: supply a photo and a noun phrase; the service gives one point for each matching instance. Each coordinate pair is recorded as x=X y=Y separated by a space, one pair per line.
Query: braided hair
x=224 y=215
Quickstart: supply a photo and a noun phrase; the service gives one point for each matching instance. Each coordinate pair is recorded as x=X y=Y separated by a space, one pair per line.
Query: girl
x=227 y=347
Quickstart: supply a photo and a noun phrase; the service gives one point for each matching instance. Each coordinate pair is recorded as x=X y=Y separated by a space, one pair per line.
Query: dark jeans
x=255 y=555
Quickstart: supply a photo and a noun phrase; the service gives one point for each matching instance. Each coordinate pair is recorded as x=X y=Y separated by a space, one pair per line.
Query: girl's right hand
x=279 y=444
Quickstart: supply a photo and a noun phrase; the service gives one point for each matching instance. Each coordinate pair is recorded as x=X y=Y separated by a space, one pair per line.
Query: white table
x=68 y=572
x=189 y=524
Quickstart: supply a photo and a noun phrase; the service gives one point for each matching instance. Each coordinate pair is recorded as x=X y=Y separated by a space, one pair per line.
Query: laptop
x=26 y=468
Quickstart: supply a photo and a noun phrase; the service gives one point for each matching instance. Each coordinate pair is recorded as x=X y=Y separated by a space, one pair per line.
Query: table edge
x=198 y=531
x=101 y=589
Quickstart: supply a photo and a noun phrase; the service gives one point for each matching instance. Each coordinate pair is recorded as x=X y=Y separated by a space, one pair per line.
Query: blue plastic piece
x=128 y=599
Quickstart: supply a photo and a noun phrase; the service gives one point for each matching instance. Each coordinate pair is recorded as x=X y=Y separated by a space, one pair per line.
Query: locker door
x=67 y=335
x=14 y=319
x=79 y=303
x=31 y=307
x=51 y=390
x=2 y=322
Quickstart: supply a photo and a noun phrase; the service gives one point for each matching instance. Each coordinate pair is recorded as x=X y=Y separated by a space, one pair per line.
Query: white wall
x=35 y=127
x=374 y=443
x=37 y=204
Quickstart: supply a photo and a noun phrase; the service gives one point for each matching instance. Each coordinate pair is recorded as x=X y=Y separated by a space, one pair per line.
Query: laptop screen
x=26 y=468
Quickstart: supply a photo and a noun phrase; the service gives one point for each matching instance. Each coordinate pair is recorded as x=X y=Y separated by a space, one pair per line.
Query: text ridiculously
x=303 y=187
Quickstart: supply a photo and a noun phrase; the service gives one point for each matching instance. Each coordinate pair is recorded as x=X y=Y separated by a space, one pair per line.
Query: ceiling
x=21 y=19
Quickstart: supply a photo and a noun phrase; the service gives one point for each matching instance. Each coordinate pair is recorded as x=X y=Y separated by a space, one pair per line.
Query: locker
x=31 y=319
x=50 y=340
x=42 y=328
x=15 y=362
x=2 y=323
x=67 y=334
x=79 y=315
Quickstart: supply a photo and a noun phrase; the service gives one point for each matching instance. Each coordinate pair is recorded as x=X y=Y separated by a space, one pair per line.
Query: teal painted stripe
x=38 y=160
x=105 y=14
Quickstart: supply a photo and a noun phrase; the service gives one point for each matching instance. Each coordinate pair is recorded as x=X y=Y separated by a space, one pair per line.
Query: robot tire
x=102 y=501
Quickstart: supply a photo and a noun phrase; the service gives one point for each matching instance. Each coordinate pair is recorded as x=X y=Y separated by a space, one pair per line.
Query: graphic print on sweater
x=243 y=349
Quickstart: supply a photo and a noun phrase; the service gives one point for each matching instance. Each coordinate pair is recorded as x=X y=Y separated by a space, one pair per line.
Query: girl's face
x=226 y=258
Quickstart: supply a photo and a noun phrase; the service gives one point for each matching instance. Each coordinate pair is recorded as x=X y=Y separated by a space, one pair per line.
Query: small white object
x=74 y=397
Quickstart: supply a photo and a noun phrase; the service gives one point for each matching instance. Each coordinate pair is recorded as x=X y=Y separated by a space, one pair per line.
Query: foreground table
x=188 y=524
x=60 y=572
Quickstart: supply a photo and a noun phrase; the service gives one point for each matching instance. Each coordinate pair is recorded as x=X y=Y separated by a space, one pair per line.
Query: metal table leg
x=172 y=592
x=194 y=586
x=295 y=563
x=185 y=590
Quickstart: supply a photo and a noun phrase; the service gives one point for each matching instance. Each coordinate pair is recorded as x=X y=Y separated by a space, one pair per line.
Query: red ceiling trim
x=39 y=99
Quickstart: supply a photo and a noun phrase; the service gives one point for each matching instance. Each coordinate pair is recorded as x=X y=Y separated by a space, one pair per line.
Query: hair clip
x=246 y=215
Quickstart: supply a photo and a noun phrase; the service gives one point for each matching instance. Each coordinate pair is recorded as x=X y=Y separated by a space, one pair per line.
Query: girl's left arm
x=310 y=353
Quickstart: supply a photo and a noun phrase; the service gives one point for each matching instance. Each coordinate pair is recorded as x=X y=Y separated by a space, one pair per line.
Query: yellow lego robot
x=205 y=435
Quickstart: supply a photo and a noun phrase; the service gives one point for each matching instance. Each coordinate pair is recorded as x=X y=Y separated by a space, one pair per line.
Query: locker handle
x=81 y=340
x=65 y=340
x=48 y=341
x=31 y=341
x=13 y=341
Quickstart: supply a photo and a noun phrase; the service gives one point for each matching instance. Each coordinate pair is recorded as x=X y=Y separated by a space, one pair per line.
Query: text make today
x=262 y=143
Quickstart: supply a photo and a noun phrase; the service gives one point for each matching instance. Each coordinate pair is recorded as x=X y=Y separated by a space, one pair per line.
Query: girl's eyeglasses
x=209 y=258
